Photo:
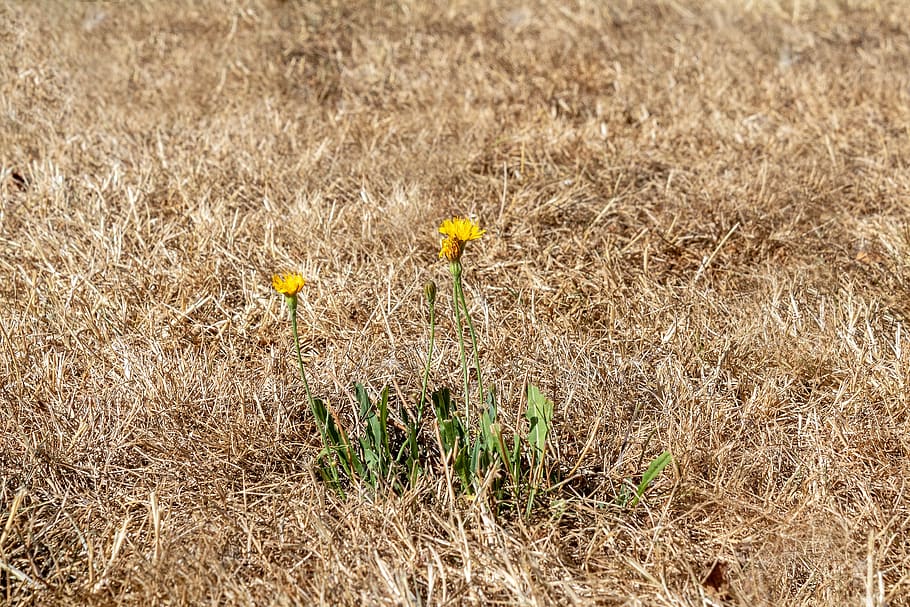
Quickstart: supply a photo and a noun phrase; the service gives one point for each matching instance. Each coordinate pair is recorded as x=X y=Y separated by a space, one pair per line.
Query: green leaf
x=384 y=423
x=516 y=459
x=450 y=428
x=487 y=423
x=453 y=435
x=374 y=442
x=657 y=465
x=363 y=399
x=540 y=416
x=335 y=439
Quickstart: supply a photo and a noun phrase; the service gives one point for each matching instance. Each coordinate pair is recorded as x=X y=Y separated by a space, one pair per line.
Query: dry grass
x=697 y=241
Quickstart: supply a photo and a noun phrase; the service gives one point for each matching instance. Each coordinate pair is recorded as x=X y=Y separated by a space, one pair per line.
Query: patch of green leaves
x=372 y=458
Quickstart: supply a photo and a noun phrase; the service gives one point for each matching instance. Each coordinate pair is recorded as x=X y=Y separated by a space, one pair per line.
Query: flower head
x=288 y=285
x=457 y=231
x=461 y=228
x=429 y=290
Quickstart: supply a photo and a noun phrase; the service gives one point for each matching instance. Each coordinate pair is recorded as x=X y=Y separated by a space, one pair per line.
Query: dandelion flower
x=461 y=228
x=457 y=231
x=288 y=285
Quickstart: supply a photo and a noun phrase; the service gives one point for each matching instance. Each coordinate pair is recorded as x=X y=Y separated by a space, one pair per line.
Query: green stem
x=455 y=268
x=464 y=306
x=292 y=305
x=323 y=430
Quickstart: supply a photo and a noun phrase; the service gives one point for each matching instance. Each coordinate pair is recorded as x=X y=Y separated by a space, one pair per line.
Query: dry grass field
x=697 y=240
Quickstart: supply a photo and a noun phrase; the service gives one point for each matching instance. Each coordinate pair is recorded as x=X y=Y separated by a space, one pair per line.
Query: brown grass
x=697 y=241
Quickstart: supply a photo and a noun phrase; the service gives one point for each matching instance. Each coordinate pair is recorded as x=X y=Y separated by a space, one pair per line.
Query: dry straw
x=696 y=218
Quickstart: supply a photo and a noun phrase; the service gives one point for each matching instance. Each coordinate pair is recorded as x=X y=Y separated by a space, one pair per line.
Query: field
x=697 y=241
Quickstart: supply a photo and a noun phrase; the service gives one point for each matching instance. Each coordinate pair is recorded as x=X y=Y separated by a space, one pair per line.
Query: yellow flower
x=457 y=231
x=288 y=285
x=461 y=228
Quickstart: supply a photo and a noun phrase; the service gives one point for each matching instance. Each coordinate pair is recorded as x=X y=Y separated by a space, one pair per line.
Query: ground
x=697 y=241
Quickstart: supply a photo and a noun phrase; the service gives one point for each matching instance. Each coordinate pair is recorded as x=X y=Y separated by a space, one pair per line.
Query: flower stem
x=323 y=429
x=455 y=269
x=292 y=305
x=461 y=301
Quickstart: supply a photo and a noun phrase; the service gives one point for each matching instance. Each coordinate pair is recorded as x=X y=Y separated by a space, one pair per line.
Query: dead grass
x=697 y=241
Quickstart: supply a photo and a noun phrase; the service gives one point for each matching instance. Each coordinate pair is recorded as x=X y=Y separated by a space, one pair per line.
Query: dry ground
x=698 y=240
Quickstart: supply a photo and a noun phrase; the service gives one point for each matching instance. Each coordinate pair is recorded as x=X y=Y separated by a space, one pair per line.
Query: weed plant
x=471 y=448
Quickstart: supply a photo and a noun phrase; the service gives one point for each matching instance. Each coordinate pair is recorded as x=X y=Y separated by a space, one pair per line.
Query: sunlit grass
x=692 y=241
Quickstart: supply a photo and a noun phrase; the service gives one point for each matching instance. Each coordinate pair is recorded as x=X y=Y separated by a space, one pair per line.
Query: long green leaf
x=374 y=442
x=657 y=465
x=336 y=440
x=540 y=416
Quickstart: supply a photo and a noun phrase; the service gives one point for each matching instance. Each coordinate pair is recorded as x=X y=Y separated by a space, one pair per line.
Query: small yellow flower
x=288 y=285
x=457 y=231
x=461 y=228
